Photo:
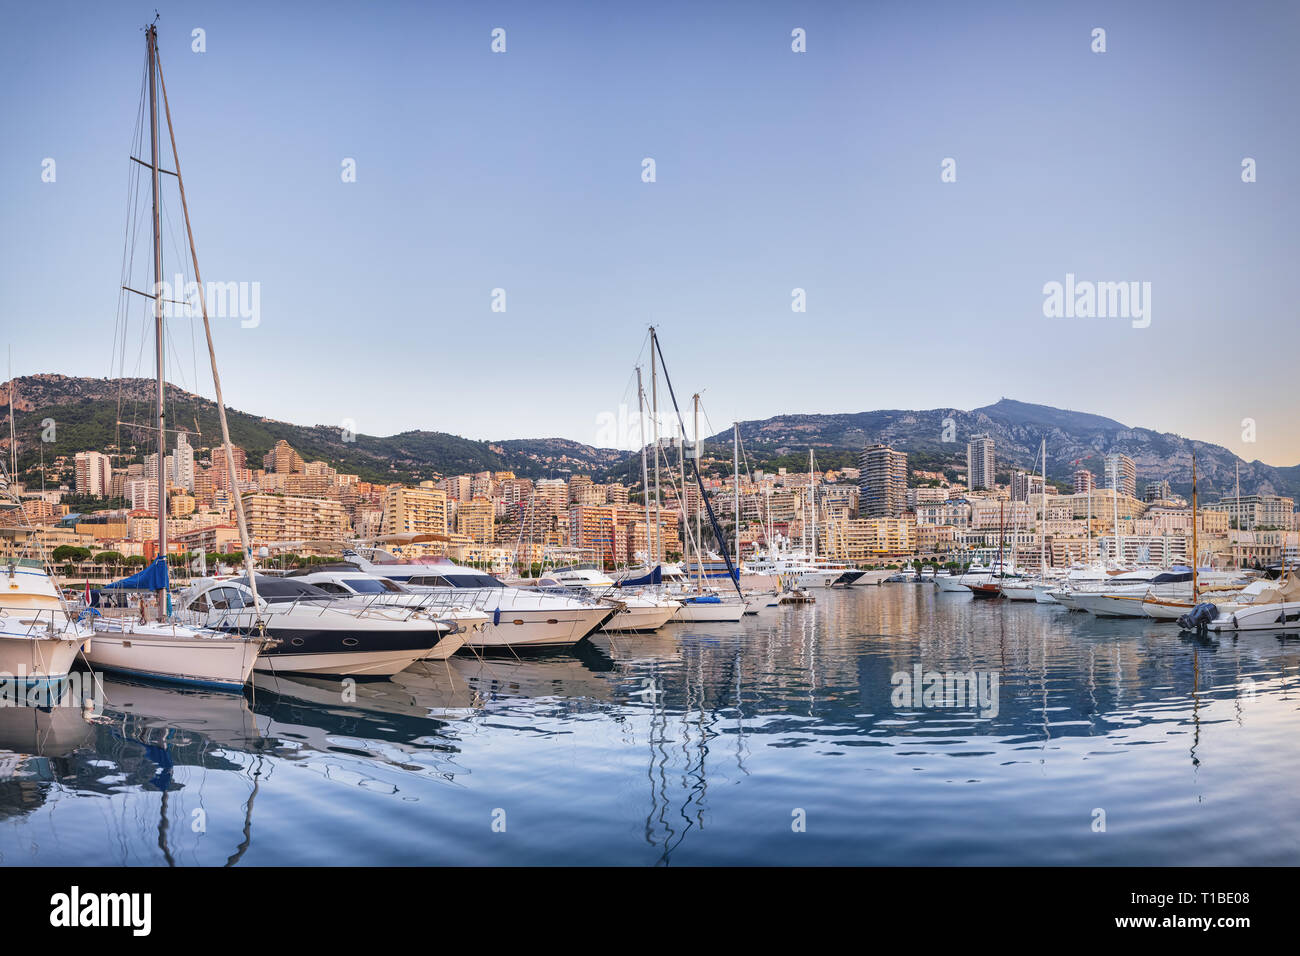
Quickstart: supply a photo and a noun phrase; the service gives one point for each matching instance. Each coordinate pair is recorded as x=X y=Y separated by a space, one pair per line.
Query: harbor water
x=883 y=725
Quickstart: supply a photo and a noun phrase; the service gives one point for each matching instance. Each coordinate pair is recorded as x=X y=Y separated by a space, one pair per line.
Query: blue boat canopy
x=152 y=578
x=654 y=577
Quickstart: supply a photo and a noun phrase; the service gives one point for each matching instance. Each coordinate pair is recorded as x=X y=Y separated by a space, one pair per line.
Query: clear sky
x=775 y=170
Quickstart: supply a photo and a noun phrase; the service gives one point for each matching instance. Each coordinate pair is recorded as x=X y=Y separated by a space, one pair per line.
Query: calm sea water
x=780 y=740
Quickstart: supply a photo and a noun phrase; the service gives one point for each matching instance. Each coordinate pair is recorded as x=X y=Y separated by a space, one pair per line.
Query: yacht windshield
x=372 y=586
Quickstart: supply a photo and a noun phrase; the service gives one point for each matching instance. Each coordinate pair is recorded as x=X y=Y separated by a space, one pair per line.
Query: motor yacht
x=521 y=618
x=314 y=633
x=39 y=634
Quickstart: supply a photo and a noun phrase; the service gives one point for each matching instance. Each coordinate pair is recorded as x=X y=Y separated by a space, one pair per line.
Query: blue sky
x=775 y=170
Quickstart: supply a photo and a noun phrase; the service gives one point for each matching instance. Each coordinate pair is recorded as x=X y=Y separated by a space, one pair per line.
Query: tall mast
x=695 y=452
x=735 y=468
x=1195 y=551
x=645 y=474
x=151 y=44
x=1042 y=519
x=13 y=445
x=681 y=487
x=240 y=518
x=1114 y=498
x=654 y=422
x=1236 y=509
x=812 y=495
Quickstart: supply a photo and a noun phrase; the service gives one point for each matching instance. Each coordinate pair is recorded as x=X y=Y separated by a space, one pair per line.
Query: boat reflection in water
x=697 y=744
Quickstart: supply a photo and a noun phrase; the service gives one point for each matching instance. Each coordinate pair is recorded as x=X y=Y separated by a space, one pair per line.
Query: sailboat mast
x=151 y=45
x=1195 y=550
x=13 y=444
x=812 y=495
x=1114 y=498
x=654 y=423
x=735 y=468
x=1042 y=519
x=241 y=519
x=645 y=473
x=699 y=531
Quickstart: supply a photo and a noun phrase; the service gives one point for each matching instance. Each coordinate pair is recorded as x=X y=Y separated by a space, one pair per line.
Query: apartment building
x=882 y=482
x=290 y=518
x=980 y=462
x=94 y=473
x=1121 y=473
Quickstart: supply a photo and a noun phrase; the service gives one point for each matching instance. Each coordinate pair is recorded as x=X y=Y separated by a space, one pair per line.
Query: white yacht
x=520 y=617
x=795 y=568
x=639 y=609
x=1274 y=608
x=313 y=634
x=39 y=637
x=360 y=589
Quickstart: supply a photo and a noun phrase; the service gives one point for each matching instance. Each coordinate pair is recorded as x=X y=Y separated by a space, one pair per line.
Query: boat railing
x=36 y=622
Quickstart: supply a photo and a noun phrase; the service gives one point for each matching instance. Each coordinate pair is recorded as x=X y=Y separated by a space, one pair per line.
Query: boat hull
x=640 y=619
x=541 y=628
x=178 y=657
x=1282 y=616
x=722 y=613
x=37 y=658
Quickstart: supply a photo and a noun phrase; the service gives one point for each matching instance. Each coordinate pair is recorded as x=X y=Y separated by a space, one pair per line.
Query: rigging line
x=713 y=519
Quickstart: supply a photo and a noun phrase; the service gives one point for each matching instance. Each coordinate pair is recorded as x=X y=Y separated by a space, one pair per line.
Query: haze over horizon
x=775 y=170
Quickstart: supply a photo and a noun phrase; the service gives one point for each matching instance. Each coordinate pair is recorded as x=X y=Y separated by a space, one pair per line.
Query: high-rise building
x=421 y=510
x=980 y=462
x=882 y=482
x=94 y=473
x=476 y=519
x=180 y=463
x=1084 y=481
x=1026 y=486
x=1121 y=474
x=282 y=459
x=290 y=518
x=1156 y=491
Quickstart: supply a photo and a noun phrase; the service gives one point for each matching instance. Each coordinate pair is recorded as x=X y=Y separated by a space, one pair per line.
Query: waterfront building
x=1084 y=481
x=1252 y=512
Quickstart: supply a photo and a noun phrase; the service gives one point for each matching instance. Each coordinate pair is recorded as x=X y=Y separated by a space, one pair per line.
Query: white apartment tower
x=979 y=462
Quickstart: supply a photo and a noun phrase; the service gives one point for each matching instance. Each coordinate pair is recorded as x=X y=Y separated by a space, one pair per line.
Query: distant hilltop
x=86 y=413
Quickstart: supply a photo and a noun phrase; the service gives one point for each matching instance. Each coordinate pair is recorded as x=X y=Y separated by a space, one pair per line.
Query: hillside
x=1074 y=440
x=86 y=413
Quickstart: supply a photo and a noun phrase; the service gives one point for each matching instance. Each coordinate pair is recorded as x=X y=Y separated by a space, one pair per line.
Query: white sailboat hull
x=223 y=661
x=710 y=613
x=648 y=618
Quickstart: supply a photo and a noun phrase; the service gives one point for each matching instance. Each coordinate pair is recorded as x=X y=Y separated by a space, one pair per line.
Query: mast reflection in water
x=779 y=740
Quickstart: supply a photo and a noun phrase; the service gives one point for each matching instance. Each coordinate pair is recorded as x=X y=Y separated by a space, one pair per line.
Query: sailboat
x=156 y=644
x=700 y=603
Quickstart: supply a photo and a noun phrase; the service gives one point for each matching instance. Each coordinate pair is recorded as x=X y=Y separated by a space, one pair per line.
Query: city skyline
x=776 y=171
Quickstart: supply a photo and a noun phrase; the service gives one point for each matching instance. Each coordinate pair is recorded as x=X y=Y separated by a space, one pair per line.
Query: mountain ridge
x=85 y=412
